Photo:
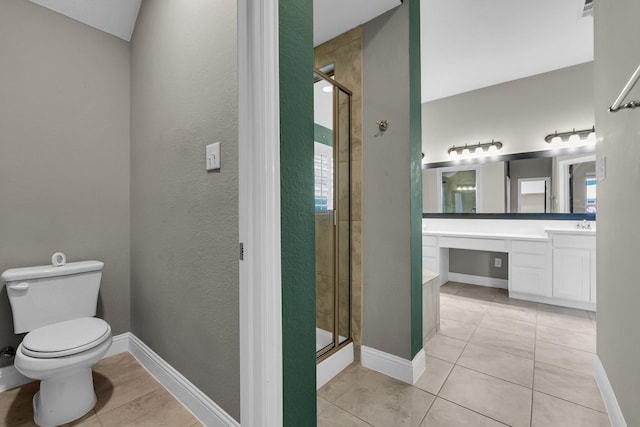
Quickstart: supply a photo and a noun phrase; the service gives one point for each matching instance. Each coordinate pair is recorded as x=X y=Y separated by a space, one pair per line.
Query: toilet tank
x=43 y=295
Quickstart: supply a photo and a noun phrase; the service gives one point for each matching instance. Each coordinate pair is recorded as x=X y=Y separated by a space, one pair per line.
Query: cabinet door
x=572 y=274
x=528 y=280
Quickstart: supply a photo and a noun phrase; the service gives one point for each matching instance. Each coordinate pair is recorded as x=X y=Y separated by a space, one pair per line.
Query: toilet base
x=64 y=398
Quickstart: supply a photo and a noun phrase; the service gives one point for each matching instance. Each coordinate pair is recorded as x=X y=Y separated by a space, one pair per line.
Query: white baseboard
x=554 y=301
x=479 y=280
x=332 y=365
x=608 y=396
x=120 y=345
x=402 y=369
x=199 y=404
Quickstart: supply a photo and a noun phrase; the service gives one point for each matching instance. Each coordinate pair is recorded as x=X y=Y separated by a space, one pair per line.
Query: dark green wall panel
x=297 y=205
x=416 y=176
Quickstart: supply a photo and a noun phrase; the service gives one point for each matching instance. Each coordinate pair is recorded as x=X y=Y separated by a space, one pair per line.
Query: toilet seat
x=65 y=338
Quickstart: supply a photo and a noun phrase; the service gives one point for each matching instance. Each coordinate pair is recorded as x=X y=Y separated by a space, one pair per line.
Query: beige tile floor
x=127 y=396
x=495 y=362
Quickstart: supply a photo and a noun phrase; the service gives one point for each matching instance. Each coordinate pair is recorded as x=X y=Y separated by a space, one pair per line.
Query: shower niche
x=332 y=160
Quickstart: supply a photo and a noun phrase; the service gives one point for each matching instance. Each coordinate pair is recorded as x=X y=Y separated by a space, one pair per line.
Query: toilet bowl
x=56 y=305
x=61 y=356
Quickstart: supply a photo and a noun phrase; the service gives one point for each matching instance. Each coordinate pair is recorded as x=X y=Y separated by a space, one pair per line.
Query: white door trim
x=259 y=203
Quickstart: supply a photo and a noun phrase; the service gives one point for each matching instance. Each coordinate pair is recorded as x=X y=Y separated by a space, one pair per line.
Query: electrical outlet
x=497 y=262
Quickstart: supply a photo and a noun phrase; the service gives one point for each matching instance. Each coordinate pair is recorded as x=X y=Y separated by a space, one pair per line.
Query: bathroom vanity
x=549 y=261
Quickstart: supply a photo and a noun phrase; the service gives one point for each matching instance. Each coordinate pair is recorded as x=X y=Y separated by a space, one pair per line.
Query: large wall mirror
x=543 y=183
x=521 y=148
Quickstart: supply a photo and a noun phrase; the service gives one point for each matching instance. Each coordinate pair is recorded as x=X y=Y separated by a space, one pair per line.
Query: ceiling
x=116 y=17
x=465 y=44
x=471 y=44
x=334 y=17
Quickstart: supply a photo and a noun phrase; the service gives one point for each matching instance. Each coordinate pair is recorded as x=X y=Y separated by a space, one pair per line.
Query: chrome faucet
x=584 y=225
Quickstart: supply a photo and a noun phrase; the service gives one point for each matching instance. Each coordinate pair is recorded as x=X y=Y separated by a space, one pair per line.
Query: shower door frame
x=336 y=345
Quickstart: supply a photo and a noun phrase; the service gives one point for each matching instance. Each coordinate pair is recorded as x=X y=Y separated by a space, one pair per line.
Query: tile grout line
x=472 y=410
x=534 y=360
x=508 y=352
x=569 y=401
x=533 y=378
x=424 y=417
x=350 y=413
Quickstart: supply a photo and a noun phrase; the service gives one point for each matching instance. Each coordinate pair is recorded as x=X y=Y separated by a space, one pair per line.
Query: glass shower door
x=332 y=213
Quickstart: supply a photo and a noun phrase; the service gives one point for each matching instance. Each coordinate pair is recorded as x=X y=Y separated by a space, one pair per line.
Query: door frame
x=259 y=214
x=547 y=192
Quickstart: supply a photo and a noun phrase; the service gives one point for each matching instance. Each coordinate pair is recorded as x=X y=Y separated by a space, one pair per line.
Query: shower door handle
x=335 y=216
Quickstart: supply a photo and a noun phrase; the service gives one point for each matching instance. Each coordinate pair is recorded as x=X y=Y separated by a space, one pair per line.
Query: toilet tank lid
x=38 y=272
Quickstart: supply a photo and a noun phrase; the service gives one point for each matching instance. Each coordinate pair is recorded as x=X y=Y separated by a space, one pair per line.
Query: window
x=323 y=177
x=590 y=202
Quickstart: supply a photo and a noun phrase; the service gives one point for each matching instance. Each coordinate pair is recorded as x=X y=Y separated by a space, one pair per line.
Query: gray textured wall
x=616 y=57
x=385 y=189
x=518 y=113
x=478 y=263
x=184 y=244
x=64 y=151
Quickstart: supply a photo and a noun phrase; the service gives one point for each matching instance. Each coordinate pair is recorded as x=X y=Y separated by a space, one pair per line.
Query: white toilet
x=56 y=305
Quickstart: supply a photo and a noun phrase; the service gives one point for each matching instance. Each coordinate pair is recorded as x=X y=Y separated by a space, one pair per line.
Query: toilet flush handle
x=19 y=287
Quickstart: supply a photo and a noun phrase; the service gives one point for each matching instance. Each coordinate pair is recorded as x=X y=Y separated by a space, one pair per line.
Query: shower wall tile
x=356 y=130
x=356 y=311
x=356 y=251
x=324 y=302
x=356 y=190
x=324 y=244
x=344 y=308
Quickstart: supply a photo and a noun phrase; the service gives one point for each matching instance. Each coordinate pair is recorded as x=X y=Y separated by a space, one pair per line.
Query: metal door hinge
x=241 y=251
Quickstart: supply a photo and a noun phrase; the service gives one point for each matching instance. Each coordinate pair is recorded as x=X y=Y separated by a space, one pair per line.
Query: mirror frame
x=507 y=157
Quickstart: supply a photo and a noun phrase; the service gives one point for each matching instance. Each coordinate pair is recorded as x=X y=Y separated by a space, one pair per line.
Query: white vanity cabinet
x=548 y=263
x=574 y=267
x=530 y=268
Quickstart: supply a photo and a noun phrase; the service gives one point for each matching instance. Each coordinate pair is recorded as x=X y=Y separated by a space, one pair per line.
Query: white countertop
x=476 y=235
x=568 y=230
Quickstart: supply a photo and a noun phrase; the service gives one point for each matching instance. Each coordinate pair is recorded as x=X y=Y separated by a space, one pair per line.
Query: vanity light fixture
x=571 y=136
x=473 y=148
x=466 y=188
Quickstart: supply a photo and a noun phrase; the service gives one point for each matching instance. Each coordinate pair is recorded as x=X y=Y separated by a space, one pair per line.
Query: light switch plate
x=213 y=156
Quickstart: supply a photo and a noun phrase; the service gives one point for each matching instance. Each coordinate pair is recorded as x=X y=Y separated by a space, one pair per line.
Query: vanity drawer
x=529 y=247
x=572 y=241
x=491 y=245
x=528 y=260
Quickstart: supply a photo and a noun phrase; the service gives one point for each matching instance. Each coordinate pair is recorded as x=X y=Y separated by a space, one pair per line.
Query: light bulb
x=574 y=139
x=556 y=140
x=591 y=139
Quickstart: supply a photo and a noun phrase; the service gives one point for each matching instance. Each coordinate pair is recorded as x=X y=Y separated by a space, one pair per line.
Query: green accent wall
x=415 y=151
x=322 y=135
x=297 y=210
